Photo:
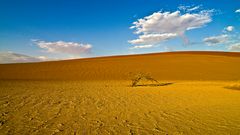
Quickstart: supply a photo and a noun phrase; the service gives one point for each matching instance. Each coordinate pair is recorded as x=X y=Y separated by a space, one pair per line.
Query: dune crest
x=163 y=66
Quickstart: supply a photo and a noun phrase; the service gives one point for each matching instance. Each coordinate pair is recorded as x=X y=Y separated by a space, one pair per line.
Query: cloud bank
x=161 y=26
x=64 y=47
x=68 y=50
x=10 y=57
x=141 y=46
x=234 y=47
x=215 y=40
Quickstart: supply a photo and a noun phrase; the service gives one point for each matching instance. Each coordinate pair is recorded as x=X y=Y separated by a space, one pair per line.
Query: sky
x=41 y=30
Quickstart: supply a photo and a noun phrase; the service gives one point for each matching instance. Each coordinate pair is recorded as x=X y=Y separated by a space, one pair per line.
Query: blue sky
x=58 y=29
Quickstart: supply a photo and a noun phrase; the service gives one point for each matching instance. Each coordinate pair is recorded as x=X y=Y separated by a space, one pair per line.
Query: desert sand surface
x=94 y=95
x=162 y=66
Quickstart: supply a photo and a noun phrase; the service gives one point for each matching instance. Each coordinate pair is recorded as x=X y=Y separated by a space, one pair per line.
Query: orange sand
x=92 y=96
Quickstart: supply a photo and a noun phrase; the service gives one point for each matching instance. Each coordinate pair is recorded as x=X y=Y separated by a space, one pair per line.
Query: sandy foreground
x=113 y=107
x=93 y=96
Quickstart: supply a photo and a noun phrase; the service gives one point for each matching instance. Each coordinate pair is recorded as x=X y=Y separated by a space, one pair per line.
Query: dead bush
x=142 y=76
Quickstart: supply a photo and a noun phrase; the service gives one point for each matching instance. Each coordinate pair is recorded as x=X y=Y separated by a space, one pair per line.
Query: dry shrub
x=142 y=76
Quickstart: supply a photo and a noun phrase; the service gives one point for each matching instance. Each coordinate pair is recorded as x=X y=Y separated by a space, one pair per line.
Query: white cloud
x=237 y=11
x=189 y=8
x=162 y=26
x=214 y=40
x=229 y=28
x=234 y=47
x=10 y=57
x=43 y=58
x=141 y=46
x=168 y=49
x=64 y=47
x=166 y=22
x=73 y=50
x=152 y=38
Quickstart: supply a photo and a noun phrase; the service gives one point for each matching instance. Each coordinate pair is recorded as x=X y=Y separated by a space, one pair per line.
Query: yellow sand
x=85 y=98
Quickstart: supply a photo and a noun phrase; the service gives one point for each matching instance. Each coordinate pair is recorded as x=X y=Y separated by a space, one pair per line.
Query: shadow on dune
x=233 y=87
x=153 y=85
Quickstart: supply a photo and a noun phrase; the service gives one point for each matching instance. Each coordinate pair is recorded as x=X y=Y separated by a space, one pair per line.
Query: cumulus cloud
x=64 y=47
x=237 y=11
x=166 y=22
x=11 y=57
x=214 y=40
x=229 y=28
x=234 y=47
x=161 y=26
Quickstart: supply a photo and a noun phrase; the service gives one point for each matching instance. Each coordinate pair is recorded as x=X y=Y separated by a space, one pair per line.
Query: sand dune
x=163 y=66
x=93 y=96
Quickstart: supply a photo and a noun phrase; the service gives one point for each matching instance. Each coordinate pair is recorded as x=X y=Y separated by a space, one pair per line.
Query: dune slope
x=163 y=66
